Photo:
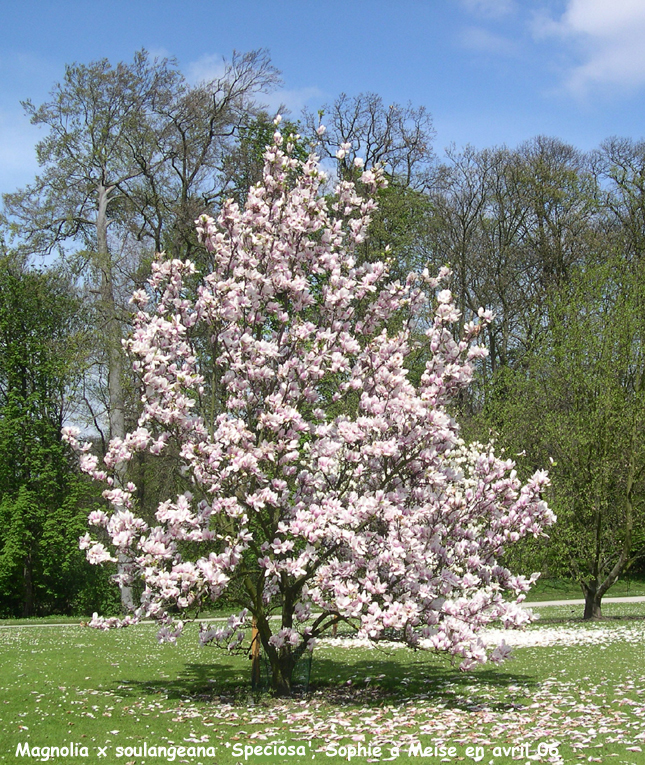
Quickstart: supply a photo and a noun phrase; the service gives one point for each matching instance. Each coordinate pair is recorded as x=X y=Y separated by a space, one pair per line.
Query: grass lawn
x=581 y=687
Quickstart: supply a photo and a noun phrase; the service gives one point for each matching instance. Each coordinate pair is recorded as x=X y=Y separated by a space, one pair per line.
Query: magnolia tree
x=322 y=484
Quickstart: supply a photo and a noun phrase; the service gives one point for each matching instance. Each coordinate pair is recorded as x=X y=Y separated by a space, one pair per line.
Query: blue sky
x=490 y=72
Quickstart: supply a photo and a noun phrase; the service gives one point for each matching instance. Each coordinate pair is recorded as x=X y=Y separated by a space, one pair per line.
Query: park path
x=580 y=602
x=530 y=604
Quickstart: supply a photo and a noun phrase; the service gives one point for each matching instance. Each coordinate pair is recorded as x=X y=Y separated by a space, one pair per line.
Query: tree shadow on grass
x=379 y=681
x=382 y=681
x=208 y=681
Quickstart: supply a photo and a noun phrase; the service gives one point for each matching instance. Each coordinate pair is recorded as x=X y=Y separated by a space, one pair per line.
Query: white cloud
x=158 y=53
x=206 y=68
x=609 y=36
x=292 y=101
x=494 y=8
x=484 y=41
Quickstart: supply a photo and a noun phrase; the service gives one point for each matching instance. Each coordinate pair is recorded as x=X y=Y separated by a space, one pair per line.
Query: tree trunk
x=282 y=660
x=282 y=664
x=112 y=326
x=592 y=603
x=116 y=414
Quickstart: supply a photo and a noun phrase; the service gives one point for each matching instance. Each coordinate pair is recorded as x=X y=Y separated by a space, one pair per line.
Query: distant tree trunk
x=28 y=602
x=593 y=600
x=116 y=414
x=111 y=320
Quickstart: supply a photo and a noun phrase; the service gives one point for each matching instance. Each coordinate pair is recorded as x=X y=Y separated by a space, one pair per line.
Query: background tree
x=397 y=138
x=131 y=149
x=534 y=235
x=198 y=131
x=619 y=166
x=579 y=400
x=94 y=118
x=44 y=502
x=511 y=223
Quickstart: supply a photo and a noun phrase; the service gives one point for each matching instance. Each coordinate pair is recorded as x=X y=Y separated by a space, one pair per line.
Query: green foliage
x=43 y=500
x=577 y=402
x=401 y=224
